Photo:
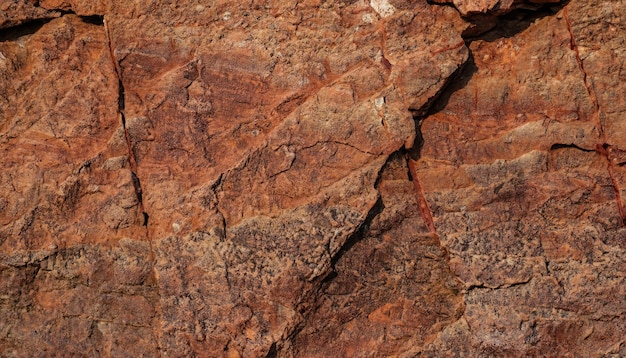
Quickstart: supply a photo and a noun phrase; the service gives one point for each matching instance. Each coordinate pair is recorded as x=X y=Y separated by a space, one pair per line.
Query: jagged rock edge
x=324 y=280
x=423 y=113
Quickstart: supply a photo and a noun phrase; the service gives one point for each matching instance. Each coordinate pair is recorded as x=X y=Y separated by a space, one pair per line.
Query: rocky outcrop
x=391 y=178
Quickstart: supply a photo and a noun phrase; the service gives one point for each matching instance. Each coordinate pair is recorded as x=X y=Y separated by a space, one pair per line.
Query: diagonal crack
x=25 y=28
x=358 y=234
x=421 y=197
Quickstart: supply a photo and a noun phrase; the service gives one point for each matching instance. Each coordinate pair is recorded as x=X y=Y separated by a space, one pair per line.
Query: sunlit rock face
x=347 y=178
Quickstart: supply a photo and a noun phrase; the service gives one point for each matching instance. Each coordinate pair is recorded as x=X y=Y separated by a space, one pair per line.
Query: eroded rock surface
x=517 y=167
x=229 y=179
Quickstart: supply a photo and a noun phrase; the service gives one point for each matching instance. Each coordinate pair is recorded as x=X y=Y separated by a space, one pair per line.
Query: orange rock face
x=525 y=195
x=349 y=178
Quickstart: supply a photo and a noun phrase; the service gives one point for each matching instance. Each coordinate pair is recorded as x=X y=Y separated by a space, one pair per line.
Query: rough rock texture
x=342 y=178
x=523 y=172
x=15 y=12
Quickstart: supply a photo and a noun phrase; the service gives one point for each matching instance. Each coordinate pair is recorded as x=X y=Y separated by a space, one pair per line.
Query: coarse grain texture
x=312 y=179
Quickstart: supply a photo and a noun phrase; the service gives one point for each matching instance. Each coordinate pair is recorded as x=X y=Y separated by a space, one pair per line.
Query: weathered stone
x=59 y=110
x=229 y=179
x=516 y=171
x=393 y=289
x=14 y=13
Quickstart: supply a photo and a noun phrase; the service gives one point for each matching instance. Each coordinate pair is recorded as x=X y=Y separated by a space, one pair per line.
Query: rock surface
x=344 y=178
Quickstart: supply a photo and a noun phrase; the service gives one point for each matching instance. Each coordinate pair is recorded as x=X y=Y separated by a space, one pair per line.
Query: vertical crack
x=121 y=106
x=581 y=67
x=603 y=148
x=606 y=151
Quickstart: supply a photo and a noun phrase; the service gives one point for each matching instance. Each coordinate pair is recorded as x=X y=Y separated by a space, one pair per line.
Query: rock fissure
x=605 y=150
x=456 y=81
x=498 y=215
x=557 y=146
x=601 y=147
x=156 y=327
x=13 y=33
x=121 y=102
x=586 y=80
x=31 y=25
x=422 y=202
x=357 y=235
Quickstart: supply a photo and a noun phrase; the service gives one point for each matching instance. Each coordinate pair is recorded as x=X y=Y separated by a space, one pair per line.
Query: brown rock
x=229 y=179
x=59 y=138
x=14 y=13
x=526 y=201
x=393 y=290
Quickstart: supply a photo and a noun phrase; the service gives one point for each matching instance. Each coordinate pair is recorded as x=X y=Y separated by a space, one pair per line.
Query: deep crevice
x=13 y=33
x=358 y=235
x=93 y=19
x=131 y=156
x=506 y=26
x=557 y=146
x=31 y=26
x=360 y=231
x=121 y=107
x=137 y=186
x=272 y=353
x=496 y=24
x=511 y=23
x=458 y=80
x=121 y=101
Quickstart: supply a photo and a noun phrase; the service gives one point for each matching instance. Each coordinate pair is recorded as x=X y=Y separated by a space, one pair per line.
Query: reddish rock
x=14 y=13
x=66 y=178
x=230 y=179
x=515 y=168
x=392 y=291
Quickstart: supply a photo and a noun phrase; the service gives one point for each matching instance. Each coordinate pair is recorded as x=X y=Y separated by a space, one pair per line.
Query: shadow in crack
x=29 y=27
x=457 y=81
x=509 y=24
x=15 y=32
x=356 y=236
x=505 y=26
x=93 y=19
